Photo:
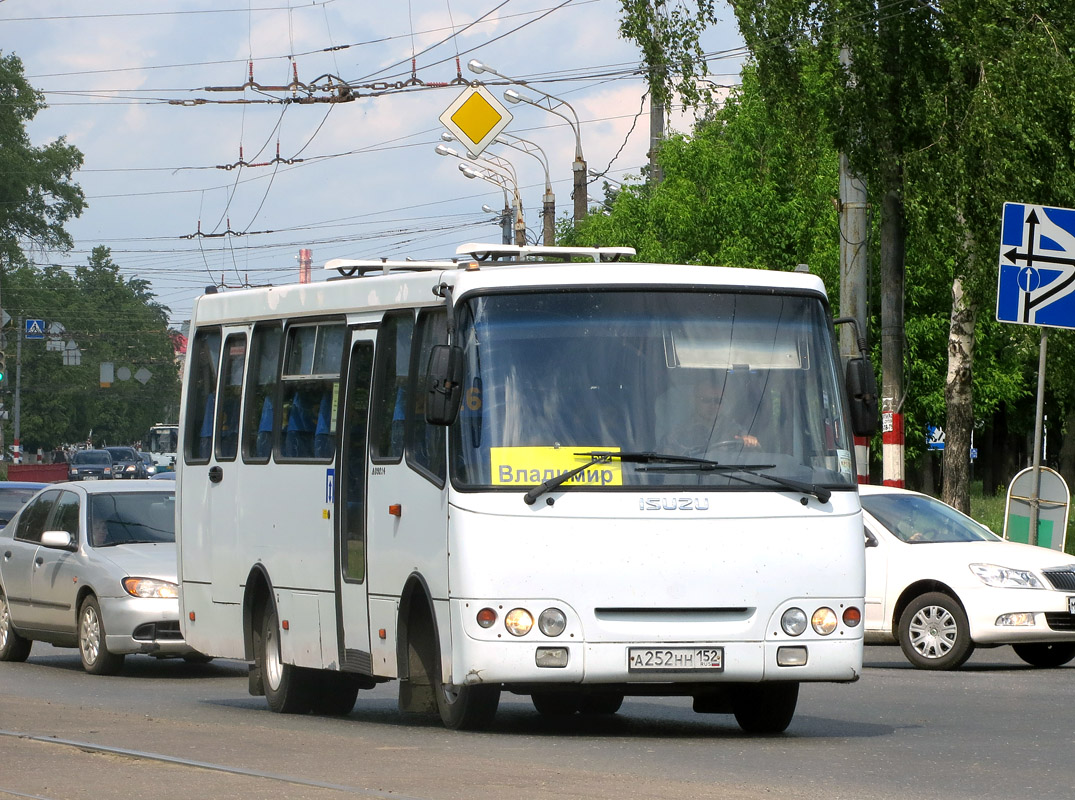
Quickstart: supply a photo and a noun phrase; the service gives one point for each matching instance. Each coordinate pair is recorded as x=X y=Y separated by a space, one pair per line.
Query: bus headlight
x=519 y=621
x=824 y=621
x=793 y=621
x=552 y=622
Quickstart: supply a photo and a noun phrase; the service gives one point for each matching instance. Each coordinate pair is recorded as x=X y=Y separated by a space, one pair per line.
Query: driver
x=698 y=420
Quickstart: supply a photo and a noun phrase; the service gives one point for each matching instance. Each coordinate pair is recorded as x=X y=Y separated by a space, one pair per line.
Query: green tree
x=112 y=319
x=37 y=195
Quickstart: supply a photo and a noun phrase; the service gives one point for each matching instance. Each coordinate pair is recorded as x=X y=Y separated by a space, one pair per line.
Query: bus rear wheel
x=332 y=694
x=765 y=708
x=287 y=687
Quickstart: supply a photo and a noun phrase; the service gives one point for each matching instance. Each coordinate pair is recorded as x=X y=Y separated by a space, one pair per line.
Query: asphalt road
x=167 y=729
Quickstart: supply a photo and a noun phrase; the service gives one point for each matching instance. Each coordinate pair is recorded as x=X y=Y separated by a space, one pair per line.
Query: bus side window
x=425 y=442
x=201 y=395
x=260 y=398
x=390 y=386
x=311 y=384
x=231 y=392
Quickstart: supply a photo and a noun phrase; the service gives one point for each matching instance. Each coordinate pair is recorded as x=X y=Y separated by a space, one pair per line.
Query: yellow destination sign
x=476 y=118
x=527 y=466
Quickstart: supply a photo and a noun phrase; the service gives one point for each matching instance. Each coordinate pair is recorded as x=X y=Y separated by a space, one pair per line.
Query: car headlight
x=149 y=587
x=1005 y=577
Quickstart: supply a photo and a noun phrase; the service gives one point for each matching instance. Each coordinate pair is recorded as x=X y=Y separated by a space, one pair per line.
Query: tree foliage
x=37 y=195
x=112 y=319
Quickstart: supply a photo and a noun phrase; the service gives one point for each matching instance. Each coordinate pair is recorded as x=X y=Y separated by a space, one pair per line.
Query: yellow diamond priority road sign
x=476 y=118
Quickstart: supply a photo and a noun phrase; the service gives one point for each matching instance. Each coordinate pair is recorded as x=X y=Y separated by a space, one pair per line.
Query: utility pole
x=656 y=136
x=853 y=283
x=16 y=452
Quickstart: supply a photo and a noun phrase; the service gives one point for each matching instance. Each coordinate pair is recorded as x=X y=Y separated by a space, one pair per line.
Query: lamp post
x=494 y=170
x=503 y=218
x=548 y=201
x=552 y=104
x=502 y=181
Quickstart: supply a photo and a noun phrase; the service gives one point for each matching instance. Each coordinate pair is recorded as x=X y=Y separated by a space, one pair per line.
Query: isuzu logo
x=673 y=504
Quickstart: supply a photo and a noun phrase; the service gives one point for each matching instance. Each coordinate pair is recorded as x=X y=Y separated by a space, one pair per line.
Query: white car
x=940 y=584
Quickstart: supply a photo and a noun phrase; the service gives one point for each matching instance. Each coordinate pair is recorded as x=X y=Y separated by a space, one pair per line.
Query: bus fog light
x=519 y=621
x=793 y=621
x=791 y=656
x=824 y=621
x=852 y=617
x=551 y=657
x=1022 y=619
x=552 y=622
x=486 y=618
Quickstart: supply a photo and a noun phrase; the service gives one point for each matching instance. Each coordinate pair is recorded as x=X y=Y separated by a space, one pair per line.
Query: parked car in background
x=126 y=462
x=147 y=460
x=90 y=465
x=941 y=584
x=93 y=566
x=13 y=496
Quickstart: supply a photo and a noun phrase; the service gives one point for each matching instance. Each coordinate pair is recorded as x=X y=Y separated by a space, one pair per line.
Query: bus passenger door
x=351 y=578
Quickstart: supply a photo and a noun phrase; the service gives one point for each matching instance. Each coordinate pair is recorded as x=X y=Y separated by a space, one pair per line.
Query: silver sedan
x=92 y=566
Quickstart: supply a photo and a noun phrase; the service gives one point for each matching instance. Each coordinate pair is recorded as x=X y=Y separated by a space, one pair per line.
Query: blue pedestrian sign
x=1036 y=285
x=35 y=329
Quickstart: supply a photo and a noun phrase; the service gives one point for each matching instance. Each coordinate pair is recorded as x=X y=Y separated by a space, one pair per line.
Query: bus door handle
x=216 y=474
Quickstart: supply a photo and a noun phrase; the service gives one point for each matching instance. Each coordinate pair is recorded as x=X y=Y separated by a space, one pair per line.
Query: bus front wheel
x=466 y=708
x=763 y=708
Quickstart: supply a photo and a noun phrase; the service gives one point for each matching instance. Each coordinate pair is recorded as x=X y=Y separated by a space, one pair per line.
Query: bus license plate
x=675 y=659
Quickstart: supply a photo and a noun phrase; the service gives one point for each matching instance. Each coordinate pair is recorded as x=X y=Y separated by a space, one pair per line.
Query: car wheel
x=287 y=687
x=96 y=659
x=765 y=708
x=12 y=646
x=552 y=703
x=934 y=632
x=1046 y=654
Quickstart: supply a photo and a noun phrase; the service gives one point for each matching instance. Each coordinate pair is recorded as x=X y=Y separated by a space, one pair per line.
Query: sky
x=166 y=99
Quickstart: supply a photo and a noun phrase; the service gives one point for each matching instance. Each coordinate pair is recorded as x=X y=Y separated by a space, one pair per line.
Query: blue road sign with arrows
x=1036 y=285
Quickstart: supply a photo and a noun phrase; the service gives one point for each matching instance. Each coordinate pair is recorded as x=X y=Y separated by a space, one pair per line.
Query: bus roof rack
x=367 y=266
x=485 y=252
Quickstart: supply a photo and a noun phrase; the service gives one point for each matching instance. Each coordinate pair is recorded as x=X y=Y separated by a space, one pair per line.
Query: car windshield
x=131 y=518
x=122 y=454
x=740 y=379
x=91 y=457
x=917 y=519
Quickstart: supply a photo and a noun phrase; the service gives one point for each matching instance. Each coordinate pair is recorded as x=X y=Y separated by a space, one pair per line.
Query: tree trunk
x=893 y=234
x=959 y=400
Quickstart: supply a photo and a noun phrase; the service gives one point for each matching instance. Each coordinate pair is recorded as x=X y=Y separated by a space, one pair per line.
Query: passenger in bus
x=205 y=435
x=298 y=437
x=263 y=447
x=324 y=443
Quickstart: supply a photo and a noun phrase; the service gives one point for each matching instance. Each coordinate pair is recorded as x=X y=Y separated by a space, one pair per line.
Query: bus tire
x=765 y=708
x=600 y=703
x=552 y=703
x=467 y=708
x=332 y=694
x=287 y=687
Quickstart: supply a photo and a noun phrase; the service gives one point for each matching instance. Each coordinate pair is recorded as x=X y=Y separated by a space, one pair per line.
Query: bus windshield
x=737 y=378
x=161 y=439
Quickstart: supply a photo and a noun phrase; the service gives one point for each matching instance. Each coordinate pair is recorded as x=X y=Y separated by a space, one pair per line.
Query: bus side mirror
x=445 y=382
x=862 y=389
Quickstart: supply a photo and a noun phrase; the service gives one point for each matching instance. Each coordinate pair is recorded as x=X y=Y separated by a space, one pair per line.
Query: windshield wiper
x=685 y=463
x=604 y=456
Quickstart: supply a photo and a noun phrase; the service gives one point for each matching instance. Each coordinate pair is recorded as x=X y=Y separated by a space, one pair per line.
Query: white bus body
x=372 y=545
x=161 y=442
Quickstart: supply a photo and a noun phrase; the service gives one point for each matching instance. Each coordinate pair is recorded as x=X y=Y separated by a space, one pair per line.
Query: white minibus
x=521 y=471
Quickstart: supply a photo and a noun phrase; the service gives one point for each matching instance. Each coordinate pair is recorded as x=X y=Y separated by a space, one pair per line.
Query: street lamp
x=498 y=179
x=552 y=104
x=504 y=173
